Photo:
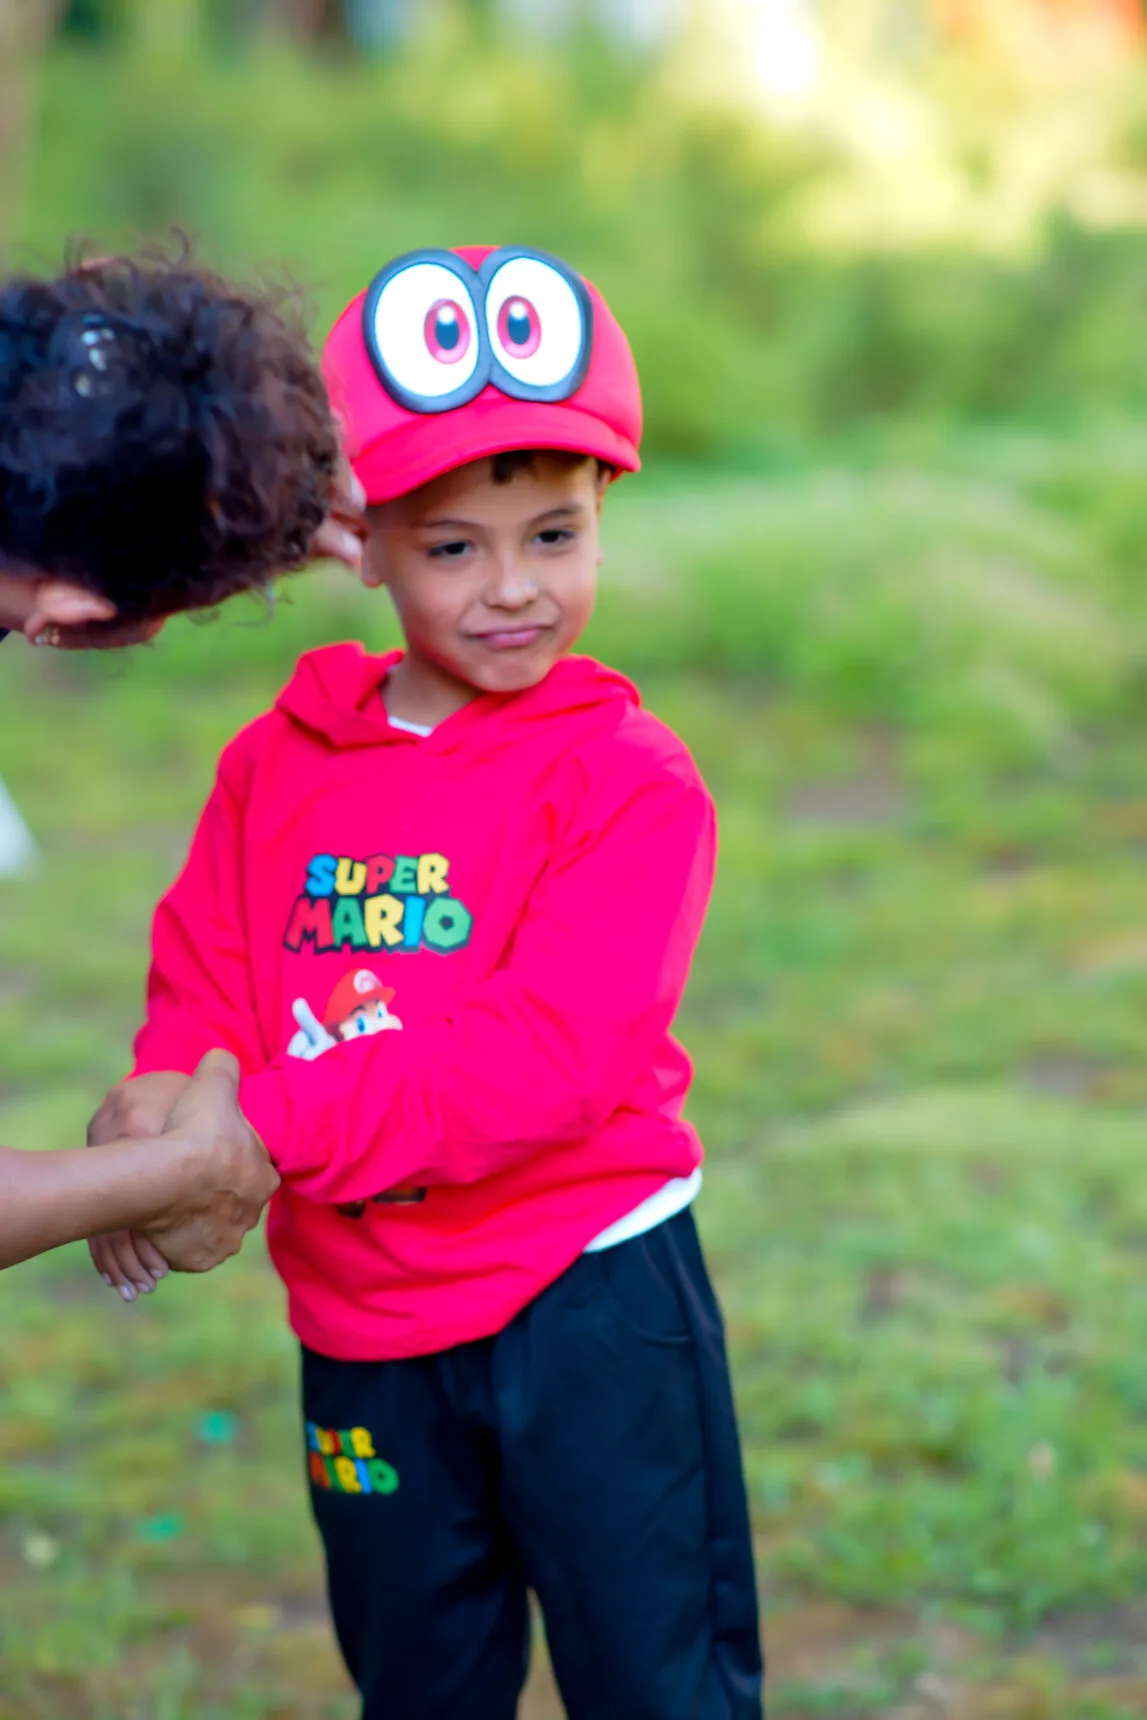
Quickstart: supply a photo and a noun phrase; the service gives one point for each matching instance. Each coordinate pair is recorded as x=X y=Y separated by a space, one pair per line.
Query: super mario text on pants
x=397 y=902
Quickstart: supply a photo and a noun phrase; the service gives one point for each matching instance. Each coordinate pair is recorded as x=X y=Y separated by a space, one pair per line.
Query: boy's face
x=492 y=582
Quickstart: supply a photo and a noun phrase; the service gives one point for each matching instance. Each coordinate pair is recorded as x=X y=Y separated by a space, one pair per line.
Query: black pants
x=589 y=1452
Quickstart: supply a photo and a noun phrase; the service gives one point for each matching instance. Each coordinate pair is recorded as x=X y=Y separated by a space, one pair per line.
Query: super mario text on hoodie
x=398 y=902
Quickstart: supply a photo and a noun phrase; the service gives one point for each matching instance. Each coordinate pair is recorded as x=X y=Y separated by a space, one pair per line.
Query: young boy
x=514 y=1372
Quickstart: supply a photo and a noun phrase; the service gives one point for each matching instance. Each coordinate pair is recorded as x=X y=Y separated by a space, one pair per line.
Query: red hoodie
x=448 y=967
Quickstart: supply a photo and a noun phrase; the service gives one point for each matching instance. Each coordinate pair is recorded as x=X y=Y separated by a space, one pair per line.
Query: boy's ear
x=373 y=569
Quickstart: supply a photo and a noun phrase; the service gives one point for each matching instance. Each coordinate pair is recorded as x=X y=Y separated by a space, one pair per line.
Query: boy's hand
x=133 y=1110
x=232 y=1177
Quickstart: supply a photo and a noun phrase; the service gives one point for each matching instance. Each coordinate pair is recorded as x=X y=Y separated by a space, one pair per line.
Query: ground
x=916 y=1018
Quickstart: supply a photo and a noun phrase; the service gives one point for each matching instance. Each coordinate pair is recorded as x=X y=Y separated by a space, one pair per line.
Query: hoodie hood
x=336 y=694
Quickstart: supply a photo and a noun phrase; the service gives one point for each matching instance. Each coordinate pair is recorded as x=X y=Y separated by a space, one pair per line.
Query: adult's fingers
x=348 y=498
x=150 y=1257
x=106 y=635
x=218 y=1063
x=341 y=533
x=97 y=1248
x=105 y=1259
x=336 y=542
x=117 y=1257
x=215 y=1082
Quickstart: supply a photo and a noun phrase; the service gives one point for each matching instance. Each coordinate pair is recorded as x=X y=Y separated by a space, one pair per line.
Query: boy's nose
x=511 y=587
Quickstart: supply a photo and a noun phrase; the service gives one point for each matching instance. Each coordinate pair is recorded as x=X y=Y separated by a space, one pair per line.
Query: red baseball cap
x=354 y=991
x=451 y=356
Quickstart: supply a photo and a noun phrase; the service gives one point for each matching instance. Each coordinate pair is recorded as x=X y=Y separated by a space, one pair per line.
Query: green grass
x=916 y=1016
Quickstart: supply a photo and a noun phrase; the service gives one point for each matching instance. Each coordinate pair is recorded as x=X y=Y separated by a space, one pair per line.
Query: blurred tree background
x=812 y=217
x=884 y=266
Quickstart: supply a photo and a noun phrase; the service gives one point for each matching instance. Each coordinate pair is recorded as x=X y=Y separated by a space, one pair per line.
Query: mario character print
x=358 y=1006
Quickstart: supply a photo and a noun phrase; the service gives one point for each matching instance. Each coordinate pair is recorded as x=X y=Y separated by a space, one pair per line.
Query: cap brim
x=429 y=446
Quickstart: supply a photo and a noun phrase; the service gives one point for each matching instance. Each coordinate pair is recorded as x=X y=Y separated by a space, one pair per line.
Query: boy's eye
x=450 y=551
x=554 y=534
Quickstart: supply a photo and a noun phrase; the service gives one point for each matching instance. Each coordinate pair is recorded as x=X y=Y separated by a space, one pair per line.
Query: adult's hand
x=132 y=1111
x=236 y=1177
x=199 y=1184
x=341 y=533
x=226 y=1177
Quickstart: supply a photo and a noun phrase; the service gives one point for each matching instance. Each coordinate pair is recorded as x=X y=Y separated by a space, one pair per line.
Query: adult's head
x=165 y=442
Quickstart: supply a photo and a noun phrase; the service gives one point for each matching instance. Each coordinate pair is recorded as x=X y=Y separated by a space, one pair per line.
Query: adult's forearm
x=48 y=1199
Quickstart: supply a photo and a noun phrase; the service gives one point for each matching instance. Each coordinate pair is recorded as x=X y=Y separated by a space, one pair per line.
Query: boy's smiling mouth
x=514 y=637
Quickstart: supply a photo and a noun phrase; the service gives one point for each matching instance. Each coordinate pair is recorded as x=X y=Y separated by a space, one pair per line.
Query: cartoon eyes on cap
x=537 y=325
x=447 y=332
x=422 y=332
x=439 y=331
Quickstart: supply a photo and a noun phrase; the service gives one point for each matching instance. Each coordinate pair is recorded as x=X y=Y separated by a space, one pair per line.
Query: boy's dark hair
x=165 y=438
x=522 y=460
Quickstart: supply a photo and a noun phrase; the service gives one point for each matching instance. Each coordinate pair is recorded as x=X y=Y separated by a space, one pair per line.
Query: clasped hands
x=221 y=1178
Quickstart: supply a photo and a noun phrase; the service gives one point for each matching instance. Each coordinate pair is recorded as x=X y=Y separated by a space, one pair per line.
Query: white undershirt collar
x=419 y=729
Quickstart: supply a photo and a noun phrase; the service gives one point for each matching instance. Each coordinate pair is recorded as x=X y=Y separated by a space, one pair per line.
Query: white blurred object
x=18 y=850
x=786 y=47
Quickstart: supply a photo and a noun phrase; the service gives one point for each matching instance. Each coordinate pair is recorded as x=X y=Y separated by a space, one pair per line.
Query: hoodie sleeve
x=199 y=987
x=541 y=1053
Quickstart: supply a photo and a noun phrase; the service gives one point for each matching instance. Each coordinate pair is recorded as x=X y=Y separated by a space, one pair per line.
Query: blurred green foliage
x=981 y=589
x=751 y=342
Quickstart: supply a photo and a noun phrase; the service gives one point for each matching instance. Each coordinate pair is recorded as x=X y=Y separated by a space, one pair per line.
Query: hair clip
x=96 y=337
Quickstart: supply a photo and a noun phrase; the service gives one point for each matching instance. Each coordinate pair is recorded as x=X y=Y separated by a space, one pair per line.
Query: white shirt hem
x=670 y=1199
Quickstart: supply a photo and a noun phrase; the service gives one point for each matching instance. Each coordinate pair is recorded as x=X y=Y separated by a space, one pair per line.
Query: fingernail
x=127 y=1292
x=145 y=1289
x=159 y=1273
x=349 y=548
x=357 y=490
x=107 y=1277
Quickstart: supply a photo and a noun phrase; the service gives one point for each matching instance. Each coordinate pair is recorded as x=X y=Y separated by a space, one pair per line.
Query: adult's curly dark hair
x=165 y=438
